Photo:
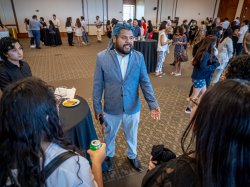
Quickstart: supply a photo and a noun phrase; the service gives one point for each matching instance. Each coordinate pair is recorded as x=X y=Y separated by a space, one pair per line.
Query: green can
x=95 y=145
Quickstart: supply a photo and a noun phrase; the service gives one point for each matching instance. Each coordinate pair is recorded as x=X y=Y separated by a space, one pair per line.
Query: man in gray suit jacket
x=118 y=74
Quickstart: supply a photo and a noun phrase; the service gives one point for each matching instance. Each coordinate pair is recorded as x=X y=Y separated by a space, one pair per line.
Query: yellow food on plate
x=70 y=102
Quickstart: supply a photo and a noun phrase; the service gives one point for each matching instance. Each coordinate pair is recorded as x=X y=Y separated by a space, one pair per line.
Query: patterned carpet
x=74 y=66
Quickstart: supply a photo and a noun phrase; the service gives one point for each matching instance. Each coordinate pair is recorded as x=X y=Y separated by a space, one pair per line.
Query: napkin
x=69 y=92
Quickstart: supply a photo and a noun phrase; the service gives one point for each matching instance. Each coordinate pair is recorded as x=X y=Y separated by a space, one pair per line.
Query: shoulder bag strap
x=56 y=162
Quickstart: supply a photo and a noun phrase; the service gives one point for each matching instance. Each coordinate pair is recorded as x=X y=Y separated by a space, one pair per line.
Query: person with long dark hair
x=204 y=62
x=180 y=42
x=215 y=144
x=52 y=33
x=78 y=31
x=12 y=66
x=42 y=31
x=69 y=28
x=150 y=29
x=31 y=137
x=108 y=29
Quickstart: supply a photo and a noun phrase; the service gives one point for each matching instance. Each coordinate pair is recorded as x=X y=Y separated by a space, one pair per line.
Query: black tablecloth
x=47 y=37
x=77 y=124
x=149 y=50
x=155 y=35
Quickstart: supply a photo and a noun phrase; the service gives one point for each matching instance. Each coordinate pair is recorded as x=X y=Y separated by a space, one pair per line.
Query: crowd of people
x=217 y=136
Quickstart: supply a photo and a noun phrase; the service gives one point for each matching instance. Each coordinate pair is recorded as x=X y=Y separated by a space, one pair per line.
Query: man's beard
x=121 y=49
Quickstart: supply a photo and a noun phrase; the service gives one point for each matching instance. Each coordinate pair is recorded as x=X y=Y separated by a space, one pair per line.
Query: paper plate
x=71 y=102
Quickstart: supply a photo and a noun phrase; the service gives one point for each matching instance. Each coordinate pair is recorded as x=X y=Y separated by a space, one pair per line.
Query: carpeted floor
x=74 y=66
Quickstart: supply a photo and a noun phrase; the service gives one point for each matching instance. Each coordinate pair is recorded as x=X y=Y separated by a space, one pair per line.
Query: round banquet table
x=155 y=35
x=4 y=34
x=47 y=38
x=77 y=124
x=149 y=50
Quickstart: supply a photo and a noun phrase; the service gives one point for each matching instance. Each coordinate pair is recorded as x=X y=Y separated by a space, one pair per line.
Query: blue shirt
x=35 y=25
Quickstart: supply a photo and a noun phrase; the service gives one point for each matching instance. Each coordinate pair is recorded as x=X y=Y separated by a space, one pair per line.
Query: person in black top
x=149 y=29
x=12 y=68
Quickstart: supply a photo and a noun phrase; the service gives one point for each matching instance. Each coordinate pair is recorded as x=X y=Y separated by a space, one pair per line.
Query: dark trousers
x=70 y=38
x=36 y=34
x=52 y=39
x=208 y=80
x=239 y=48
x=32 y=41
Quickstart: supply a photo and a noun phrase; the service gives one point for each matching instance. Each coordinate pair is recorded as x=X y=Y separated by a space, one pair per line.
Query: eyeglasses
x=125 y=38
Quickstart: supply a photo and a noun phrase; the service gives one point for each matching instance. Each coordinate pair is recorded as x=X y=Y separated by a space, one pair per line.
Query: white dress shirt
x=123 y=62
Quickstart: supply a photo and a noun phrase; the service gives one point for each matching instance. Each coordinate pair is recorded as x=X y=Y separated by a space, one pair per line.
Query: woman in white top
x=78 y=31
x=225 y=52
x=31 y=136
x=162 y=48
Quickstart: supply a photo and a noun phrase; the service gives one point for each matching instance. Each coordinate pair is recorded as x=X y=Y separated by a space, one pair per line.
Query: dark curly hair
x=28 y=116
x=239 y=68
x=6 y=44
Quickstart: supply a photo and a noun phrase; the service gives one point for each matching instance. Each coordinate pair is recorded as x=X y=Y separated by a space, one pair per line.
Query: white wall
x=195 y=9
x=62 y=9
x=186 y=9
x=140 y=4
x=99 y=7
x=115 y=8
x=167 y=9
x=6 y=12
x=149 y=12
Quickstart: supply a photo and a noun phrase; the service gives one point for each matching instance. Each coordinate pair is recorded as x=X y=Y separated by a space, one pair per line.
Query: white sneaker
x=84 y=43
x=32 y=46
x=177 y=74
x=172 y=73
x=157 y=74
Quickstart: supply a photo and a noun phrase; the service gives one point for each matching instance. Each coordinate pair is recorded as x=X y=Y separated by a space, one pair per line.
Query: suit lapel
x=116 y=65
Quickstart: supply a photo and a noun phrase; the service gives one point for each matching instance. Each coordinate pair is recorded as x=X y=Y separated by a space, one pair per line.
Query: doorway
x=128 y=12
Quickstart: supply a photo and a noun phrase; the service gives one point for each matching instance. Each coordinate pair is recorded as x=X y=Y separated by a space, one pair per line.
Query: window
x=128 y=12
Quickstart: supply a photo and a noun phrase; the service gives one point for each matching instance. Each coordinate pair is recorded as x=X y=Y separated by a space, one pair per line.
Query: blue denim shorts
x=199 y=83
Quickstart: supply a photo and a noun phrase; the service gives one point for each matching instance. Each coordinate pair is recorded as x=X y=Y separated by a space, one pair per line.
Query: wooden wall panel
x=228 y=9
x=129 y=2
x=245 y=12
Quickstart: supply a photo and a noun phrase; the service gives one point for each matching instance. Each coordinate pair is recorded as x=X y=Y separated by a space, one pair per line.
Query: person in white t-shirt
x=162 y=48
x=31 y=136
x=98 y=24
x=85 y=40
x=241 y=33
x=56 y=21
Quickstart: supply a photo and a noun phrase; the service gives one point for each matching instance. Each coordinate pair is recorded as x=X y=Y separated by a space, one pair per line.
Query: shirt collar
x=11 y=65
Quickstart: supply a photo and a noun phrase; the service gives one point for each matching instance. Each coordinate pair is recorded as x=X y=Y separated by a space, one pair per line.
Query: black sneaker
x=109 y=163
x=136 y=164
x=188 y=110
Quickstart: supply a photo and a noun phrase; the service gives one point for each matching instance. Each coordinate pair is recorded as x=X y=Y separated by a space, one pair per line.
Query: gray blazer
x=121 y=96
